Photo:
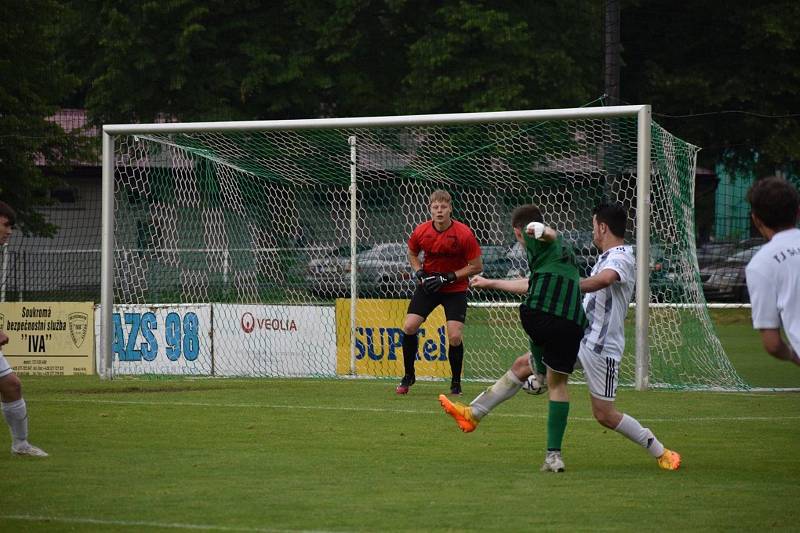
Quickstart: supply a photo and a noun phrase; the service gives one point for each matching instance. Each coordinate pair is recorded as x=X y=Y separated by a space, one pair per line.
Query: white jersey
x=773 y=281
x=5 y=368
x=605 y=309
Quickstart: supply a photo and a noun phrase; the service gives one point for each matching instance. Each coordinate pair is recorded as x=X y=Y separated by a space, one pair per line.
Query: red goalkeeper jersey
x=445 y=251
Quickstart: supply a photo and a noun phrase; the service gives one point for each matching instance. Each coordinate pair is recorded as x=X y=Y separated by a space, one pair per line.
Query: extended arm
x=601 y=280
x=777 y=347
x=515 y=286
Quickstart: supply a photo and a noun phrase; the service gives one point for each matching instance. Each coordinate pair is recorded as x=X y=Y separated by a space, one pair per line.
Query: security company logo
x=78 y=325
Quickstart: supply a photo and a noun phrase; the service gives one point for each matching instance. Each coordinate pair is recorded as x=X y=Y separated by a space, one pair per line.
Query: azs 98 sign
x=162 y=339
x=180 y=336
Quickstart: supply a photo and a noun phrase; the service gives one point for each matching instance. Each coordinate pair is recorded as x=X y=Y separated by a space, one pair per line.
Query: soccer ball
x=532 y=385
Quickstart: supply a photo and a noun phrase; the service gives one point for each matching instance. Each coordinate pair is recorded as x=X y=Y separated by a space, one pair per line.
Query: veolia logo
x=248 y=322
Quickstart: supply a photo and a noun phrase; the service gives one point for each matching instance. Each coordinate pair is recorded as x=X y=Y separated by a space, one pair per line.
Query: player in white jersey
x=11 y=402
x=608 y=293
x=773 y=274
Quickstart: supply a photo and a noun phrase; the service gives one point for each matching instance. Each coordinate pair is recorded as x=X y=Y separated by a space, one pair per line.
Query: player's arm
x=601 y=280
x=766 y=319
x=540 y=232
x=473 y=266
x=3 y=338
x=515 y=286
x=413 y=259
x=777 y=347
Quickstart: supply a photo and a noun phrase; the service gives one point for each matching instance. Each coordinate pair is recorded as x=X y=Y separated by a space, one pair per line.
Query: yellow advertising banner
x=379 y=339
x=49 y=338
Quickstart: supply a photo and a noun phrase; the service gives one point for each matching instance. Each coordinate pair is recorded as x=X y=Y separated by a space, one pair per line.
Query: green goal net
x=236 y=248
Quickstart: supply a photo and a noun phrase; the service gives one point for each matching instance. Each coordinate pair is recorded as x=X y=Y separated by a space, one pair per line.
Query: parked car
x=383 y=272
x=717 y=252
x=497 y=260
x=726 y=281
x=327 y=271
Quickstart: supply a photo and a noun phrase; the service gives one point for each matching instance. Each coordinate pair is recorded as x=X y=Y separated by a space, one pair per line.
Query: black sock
x=456 y=356
x=410 y=345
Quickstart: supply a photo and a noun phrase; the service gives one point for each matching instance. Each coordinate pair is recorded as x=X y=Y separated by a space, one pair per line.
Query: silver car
x=383 y=272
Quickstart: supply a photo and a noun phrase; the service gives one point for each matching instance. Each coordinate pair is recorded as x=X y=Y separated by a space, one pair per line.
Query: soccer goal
x=277 y=248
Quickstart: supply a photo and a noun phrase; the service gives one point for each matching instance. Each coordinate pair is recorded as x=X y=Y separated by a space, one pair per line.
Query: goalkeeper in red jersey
x=451 y=256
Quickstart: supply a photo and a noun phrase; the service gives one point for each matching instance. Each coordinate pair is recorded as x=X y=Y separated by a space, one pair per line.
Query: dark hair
x=614 y=216
x=775 y=202
x=8 y=212
x=524 y=215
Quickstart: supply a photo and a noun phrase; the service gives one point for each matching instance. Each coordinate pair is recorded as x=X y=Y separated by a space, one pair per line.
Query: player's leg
x=419 y=308
x=559 y=353
x=455 y=354
x=455 y=311
x=468 y=416
x=557 y=416
x=15 y=412
x=602 y=377
x=537 y=366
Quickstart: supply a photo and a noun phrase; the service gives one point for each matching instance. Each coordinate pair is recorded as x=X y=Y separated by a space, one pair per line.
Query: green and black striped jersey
x=554 y=283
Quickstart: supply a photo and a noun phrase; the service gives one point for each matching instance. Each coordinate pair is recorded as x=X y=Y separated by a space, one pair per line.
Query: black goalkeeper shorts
x=454 y=303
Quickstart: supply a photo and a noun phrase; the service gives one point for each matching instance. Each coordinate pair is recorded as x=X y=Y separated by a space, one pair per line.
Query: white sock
x=503 y=389
x=631 y=428
x=16 y=415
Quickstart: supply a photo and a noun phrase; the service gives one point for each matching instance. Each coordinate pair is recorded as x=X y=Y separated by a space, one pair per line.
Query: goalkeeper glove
x=434 y=282
x=419 y=275
x=535 y=230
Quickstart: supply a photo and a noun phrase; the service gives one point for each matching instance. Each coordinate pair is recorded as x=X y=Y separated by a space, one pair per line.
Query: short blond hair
x=441 y=196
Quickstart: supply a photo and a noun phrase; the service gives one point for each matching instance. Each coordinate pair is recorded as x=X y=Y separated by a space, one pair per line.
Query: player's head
x=774 y=203
x=522 y=216
x=608 y=217
x=8 y=217
x=441 y=206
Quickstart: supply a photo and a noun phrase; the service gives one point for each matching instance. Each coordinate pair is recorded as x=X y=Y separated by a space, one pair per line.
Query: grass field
x=301 y=455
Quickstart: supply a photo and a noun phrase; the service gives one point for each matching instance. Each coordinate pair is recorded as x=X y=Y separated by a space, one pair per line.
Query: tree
x=215 y=60
x=34 y=82
x=486 y=56
x=722 y=75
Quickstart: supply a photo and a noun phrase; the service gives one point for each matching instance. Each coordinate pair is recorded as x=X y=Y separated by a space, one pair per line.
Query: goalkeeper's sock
x=456 y=356
x=503 y=389
x=631 y=428
x=557 y=415
x=16 y=415
x=410 y=345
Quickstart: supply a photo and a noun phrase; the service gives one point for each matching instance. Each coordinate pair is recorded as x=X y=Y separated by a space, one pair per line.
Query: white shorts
x=5 y=368
x=602 y=373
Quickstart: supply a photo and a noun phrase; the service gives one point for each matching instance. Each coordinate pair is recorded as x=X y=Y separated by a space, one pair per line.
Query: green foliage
x=712 y=58
x=212 y=60
x=512 y=55
x=34 y=81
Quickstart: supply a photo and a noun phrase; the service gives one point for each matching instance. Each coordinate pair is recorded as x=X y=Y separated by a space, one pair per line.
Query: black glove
x=434 y=282
x=419 y=275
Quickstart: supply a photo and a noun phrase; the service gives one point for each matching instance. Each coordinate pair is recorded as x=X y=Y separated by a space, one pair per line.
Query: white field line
x=394 y=411
x=140 y=523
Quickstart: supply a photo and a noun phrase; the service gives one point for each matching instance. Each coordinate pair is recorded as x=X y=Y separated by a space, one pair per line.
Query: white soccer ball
x=532 y=385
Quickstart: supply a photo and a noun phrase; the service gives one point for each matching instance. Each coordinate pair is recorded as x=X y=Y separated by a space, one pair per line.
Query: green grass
x=350 y=455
